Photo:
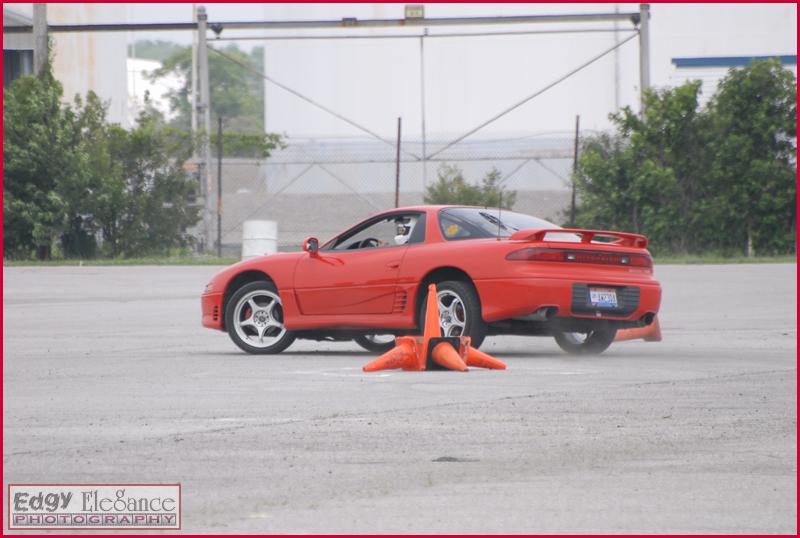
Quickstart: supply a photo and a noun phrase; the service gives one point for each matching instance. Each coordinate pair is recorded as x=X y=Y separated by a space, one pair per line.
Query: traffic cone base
x=650 y=333
x=446 y=356
x=403 y=355
x=479 y=359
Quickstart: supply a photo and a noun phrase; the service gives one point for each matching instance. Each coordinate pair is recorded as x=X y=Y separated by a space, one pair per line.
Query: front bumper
x=211 y=307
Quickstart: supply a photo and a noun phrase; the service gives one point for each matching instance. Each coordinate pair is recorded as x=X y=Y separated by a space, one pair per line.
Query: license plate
x=603 y=297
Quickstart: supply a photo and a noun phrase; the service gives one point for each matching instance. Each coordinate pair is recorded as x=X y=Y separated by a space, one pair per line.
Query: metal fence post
x=574 y=169
x=644 y=51
x=397 y=167
x=204 y=108
x=219 y=186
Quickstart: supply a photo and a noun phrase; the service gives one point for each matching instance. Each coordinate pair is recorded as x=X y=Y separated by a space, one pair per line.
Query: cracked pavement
x=109 y=377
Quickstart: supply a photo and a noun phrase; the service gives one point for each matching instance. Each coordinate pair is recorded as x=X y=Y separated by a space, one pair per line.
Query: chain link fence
x=321 y=186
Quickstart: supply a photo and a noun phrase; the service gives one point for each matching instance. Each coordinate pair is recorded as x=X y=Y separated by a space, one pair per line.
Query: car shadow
x=333 y=353
x=531 y=355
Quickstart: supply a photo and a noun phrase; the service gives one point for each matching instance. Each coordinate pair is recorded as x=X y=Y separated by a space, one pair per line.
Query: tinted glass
x=472 y=223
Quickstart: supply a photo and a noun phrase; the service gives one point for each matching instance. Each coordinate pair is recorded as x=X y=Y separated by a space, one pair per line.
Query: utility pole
x=397 y=168
x=644 y=51
x=575 y=169
x=194 y=72
x=422 y=108
x=219 y=186
x=40 y=45
x=204 y=121
x=616 y=61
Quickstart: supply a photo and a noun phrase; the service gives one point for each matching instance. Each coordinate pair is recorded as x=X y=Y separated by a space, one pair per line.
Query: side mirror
x=311 y=245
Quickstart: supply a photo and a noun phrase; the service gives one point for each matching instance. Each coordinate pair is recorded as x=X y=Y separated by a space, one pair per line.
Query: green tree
x=155 y=212
x=451 y=188
x=70 y=176
x=237 y=94
x=697 y=179
x=39 y=154
x=648 y=178
x=754 y=142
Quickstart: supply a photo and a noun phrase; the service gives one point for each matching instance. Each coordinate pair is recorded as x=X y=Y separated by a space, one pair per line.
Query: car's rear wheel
x=377 y=343
x=254 y=319
x=459 y=311
x=590 y=343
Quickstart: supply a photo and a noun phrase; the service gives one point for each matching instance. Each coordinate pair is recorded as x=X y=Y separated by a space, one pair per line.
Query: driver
x=404 y=227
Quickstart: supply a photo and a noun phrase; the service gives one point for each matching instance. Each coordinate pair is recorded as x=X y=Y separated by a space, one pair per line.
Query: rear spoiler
x=622 y=239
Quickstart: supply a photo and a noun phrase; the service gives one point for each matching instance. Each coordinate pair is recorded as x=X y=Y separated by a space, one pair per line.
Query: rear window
x=473 y=223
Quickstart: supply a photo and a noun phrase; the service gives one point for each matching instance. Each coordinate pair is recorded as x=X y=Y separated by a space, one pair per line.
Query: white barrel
x=259 y=238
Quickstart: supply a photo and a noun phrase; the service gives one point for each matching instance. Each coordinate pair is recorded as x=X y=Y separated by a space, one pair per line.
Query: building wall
x=710 y=71
x=17 y=48
x=84 y=61
x=92 y=61
x=373 y=81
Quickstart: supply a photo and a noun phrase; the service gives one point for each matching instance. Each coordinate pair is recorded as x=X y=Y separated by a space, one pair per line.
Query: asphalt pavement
x=109 y=378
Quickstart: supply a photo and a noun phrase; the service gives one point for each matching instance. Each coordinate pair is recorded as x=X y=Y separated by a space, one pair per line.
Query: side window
x=392 y=231
x=454 y=228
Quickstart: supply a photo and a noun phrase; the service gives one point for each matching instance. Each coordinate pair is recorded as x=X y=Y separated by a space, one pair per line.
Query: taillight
x=534 y=254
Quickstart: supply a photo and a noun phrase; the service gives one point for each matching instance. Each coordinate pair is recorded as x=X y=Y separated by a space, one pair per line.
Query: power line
x=308 y=100
x=535 y=94
x=272 y=198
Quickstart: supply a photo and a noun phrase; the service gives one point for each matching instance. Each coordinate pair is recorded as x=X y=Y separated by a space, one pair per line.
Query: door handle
x=393 y=265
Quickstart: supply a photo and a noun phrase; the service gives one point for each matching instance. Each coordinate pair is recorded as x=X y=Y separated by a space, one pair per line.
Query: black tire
x=373 y=346
x=265 y=291
x=594 y=343
x=474 y=326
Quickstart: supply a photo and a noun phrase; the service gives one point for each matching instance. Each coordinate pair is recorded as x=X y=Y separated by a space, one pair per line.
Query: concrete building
x=17 y=48
x=81 y=61
x=468 y=80
x=710 y=70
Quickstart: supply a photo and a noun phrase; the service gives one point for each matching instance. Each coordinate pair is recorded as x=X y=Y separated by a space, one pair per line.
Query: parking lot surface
x=109 y=377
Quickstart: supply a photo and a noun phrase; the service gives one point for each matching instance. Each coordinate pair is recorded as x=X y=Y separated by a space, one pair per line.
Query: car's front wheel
x=591 y=343
x=254 y=319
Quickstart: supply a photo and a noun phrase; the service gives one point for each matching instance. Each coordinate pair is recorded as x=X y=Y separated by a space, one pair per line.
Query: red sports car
x=496 y=272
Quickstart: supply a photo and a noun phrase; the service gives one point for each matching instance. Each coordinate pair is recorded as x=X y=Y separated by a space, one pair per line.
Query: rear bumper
x=514 y=297
x=211 y=307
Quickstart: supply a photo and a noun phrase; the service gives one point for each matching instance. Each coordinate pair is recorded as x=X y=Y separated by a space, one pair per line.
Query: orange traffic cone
x=403 y=355
x=479 y=359
x=432 y=328
x=410 y=352
x=446 y=356
x=650 y=333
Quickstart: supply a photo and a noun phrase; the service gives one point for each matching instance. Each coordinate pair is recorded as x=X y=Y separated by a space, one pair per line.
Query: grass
x=719 y=259
x=182 y=260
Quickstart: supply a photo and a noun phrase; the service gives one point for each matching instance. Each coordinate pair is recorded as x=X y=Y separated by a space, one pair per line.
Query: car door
x=356 y=274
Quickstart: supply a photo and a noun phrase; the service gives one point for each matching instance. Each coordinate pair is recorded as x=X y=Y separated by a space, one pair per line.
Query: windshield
x=473 y=222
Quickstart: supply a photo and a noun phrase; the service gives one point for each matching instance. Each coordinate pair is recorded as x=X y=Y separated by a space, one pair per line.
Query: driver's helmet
x=404 y=227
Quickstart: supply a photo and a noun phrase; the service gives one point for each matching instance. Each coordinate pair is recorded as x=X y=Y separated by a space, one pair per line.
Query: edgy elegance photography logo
x=94 y=506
